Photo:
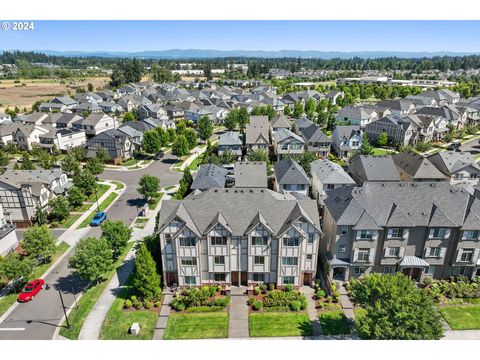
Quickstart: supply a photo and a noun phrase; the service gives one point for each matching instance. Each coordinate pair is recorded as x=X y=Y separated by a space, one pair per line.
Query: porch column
x=347 y=273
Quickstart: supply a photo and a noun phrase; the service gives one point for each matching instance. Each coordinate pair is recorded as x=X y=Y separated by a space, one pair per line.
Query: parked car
x=455 y=146
x=98 y=219
x=160 y=155
x=31 y=290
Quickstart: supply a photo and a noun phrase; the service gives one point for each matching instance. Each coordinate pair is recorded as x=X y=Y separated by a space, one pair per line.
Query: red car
x=30 y=290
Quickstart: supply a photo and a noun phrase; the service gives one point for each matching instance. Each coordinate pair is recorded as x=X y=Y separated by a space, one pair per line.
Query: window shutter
x=402 y=251
x=375 y=237
x=430 y=234
x=389 y=233
x=357 y=235
x=371 y=256
x=447 y=234
x=426 y=252
x=459 y=255
x=355 y=254
x=475 y=256
x=387 y=252
x=442 y=252
x=405 y=234
x=464 y=235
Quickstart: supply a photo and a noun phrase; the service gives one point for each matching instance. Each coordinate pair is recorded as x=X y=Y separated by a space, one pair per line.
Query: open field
x=15 y=94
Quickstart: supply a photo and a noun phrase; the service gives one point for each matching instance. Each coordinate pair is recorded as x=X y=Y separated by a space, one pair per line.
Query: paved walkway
x=93 y=323
x=462 y=335
x=312 y=311
x=159 y=330
x=238 y=314
x=347 y=305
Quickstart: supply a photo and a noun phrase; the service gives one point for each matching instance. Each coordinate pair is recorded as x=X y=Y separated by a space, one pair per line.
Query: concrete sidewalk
x=462 y=335
x=312 y=311
x=93 y=323
x=238 y=314
x=159 y=330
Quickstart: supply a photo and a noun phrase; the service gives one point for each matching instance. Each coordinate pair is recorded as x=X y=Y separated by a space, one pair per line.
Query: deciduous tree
x=117 y=235
x=39 y=243
x=92 y=259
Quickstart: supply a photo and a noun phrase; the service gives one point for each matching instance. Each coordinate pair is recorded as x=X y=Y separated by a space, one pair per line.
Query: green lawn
x=84 y=207
x=152 y=206
x=462 y=317
x=169 y=187
x=129 y=162
x=65 y=224
x=194 y=164
x=140 y=222
x=38 y=271
x=381 y=151
x=197 y=326
x=101 y=189
x=118 y=321
x=105 y=203
x=119 y=184
x=334 y=323
x=85 y=304
x=279 y=324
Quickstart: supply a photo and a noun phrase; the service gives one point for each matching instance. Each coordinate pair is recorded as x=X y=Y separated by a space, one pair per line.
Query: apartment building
x=239 y=236
x=418 y=228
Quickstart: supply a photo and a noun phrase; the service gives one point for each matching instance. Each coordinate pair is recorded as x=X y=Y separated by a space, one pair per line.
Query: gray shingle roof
x=283 y=134
x=402 y=204
x=209 y=176
x=230 y=138
x=240 y=208
x=450 y=162
x=373 y=168
x=417 y=166
x=329 y=172
x=288 y=171
x=251 y=174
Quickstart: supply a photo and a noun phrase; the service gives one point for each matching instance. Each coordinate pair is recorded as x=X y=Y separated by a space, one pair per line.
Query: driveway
x=41 y=317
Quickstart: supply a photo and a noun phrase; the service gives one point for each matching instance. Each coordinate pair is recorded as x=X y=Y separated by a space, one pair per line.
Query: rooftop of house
x=403 y=204
x=251 y=174
x=230 y=138
x=288 y=171
x=449 y=162
x=417 y=166
x=209 y=176
x=329 y=172
x=373 y=168
x=239 y=210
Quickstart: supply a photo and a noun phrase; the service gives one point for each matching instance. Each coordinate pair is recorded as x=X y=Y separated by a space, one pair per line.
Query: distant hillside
x=207 y=54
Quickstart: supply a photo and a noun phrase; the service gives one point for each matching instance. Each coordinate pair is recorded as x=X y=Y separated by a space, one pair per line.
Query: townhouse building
x=239 y=236
x=257 y=134
x=417 y=228
x=8 y=236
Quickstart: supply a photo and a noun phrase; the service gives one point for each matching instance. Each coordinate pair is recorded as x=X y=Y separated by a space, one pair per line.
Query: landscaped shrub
x=148 y=304
x=257 y=305
x=427 y=281
x=137 y=304
x=458 y=288
x=256 y=290
x=127 y=304
x=320 y=294
x=222 y=301
x=277 y=309
x=271 y=286
x=251 y=301
x=195 y=297
x=158 y=304
x=295 y=305
x=289 y=287
x=282 y=298
x=304 y=304
x=329 y=299
x=264 y=288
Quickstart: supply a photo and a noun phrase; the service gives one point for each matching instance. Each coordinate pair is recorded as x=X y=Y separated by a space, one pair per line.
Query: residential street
x=472 y=146
x=41 y=317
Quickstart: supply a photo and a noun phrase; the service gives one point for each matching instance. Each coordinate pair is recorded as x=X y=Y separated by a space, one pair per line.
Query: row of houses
x=427 y=116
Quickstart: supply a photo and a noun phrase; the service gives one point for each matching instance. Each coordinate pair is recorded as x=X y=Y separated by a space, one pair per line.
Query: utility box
x=135 y=329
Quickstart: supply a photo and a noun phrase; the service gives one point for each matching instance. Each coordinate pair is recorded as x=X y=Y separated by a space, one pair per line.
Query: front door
x=307 y=279
x=235 y=278
x=244 y=278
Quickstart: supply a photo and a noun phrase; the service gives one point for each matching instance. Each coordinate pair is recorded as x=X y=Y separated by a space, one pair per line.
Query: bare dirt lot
x=17 y=94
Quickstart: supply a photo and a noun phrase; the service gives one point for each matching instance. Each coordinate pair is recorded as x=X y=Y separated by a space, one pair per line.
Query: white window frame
x=342 y=249
x=344 y=230
x=257 y=257
x=219 y=257
x=289 y=261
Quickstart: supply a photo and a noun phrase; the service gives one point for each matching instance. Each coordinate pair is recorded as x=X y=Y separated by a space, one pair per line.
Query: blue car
x=98 y=218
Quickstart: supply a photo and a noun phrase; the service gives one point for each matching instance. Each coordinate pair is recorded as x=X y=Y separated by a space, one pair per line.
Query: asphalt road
x=472 y=146
x=38 y=319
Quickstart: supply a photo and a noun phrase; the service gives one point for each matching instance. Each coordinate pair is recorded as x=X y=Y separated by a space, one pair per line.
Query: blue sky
x=457 y=36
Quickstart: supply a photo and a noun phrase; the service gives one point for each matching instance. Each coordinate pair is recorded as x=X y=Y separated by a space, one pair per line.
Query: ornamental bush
x=295 y=305
x=282 y=298
x=251 y=301
x=127 y=304
x=320 y=294
x=257 y=305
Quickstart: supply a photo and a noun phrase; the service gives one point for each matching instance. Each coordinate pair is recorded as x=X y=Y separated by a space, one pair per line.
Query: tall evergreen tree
x=146 y=280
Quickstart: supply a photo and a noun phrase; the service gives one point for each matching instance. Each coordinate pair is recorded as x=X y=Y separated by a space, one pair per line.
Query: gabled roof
x=329 y=172
x=373 y=168
x=280 y=121
x=313 y=134
x=417 y=166
x=251 y=174
x=284 y=134
x=288 y=171
x=209 y=176
x=450 y=162
x=230 y=138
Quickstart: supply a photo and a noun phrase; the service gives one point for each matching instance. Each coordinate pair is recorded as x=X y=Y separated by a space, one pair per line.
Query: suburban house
x=251 y=174
x=68 y=120
x=447 y=112
x=417 y=228
x=327 y=175
x=26 y=135
x=398 y=129
x=346 y=139
x=286 y=142
x=280 y=122
x=63 y=139
x=316 y=140
x=95 y=124
x=155 y=111
x=230 y=141
x=174 y=112
x=415 y=167
x=208 y=177
x=118 y=145
x=110 y=107
x=5 y=118
x=22 y=191
x=290 y=177
x=460 y=167
x=257 y=134
x=401 y=107
x=373 y=168
x=357 y=115
x=239 y=237
x=8 y=236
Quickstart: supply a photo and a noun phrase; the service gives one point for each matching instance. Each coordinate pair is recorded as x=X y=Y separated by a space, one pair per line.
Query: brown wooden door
x=244 y=278
x=307 y=279
x=234 y=276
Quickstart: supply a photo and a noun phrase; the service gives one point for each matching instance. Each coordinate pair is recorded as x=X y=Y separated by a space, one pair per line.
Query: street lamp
x=47 y=287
